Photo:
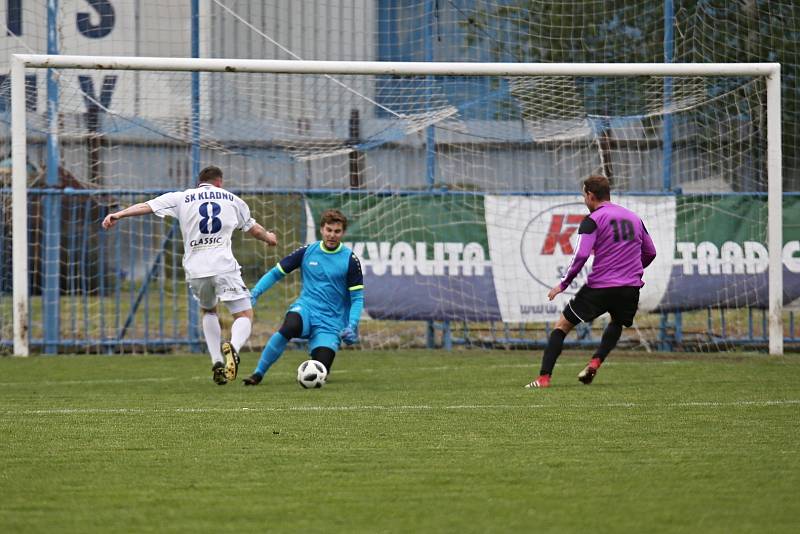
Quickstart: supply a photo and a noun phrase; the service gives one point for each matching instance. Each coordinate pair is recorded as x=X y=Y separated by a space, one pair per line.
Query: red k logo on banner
x=560 y=233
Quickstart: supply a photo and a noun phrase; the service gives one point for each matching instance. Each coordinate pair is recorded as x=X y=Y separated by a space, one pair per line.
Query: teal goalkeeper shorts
x=317 y=335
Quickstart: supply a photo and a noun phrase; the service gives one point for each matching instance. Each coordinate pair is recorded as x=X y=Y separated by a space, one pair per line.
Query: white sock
x=213 y=332
x=240 y=331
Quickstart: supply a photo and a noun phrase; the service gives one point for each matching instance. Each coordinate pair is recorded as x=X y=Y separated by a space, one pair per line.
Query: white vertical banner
x=533 y=239
x=105 y=28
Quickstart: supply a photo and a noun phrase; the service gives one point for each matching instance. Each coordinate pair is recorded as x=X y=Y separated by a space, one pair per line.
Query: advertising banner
x=495 y=257
x=424 y=257
x=721 y=257
x=532 y=240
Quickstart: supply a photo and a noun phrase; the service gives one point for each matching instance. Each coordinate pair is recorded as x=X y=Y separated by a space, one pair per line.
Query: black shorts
x=590 y=303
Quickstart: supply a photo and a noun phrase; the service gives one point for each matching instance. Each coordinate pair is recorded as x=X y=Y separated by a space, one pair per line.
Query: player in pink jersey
x=622 y=249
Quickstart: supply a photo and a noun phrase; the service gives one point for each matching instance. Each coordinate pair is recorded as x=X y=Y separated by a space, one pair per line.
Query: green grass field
x=406 y=441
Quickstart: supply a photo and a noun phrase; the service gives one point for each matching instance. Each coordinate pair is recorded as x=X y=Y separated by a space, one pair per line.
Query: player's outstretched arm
x=141 y=208
x=555 y=290
x=350 y=333
x=586 y=239
x=261 y=234
x=267 y=281
x=282 y=268
x=355 y=286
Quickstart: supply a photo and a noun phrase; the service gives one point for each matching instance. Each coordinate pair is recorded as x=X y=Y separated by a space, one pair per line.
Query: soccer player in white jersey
x=208 y=215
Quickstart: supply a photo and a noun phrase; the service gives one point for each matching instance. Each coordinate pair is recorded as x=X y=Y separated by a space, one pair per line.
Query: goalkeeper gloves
x=349 y=334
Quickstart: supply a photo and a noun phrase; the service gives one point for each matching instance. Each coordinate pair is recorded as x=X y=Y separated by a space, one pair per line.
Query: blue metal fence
x=115 y=291
x=124 y=290
x=672 y=335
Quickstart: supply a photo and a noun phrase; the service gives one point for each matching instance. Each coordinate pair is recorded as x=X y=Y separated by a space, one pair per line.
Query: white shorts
x=227 y=287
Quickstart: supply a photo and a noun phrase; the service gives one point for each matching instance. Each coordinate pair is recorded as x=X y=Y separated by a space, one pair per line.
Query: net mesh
x=463 y=192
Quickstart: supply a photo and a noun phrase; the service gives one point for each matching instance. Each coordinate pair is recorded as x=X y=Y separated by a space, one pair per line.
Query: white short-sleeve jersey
x=208 y=216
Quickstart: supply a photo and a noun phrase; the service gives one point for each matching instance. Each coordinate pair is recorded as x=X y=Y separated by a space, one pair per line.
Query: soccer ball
x=311 y=374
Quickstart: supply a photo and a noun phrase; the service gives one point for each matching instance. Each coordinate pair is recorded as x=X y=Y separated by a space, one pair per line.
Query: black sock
x=325 y=356
x=553 y=350
x=609 y=340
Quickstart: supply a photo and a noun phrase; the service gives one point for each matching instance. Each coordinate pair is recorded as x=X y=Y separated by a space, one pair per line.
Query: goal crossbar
x=409 y=68
x=19 y=62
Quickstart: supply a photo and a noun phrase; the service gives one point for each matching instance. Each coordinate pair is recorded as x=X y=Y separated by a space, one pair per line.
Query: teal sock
x=272 y=351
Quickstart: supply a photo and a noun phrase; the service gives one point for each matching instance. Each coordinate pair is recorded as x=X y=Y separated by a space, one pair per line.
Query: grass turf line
x=406 y=441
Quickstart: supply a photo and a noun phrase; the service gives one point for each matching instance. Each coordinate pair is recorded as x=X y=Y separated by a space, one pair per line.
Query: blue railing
x=115 y=290
x=671 y=334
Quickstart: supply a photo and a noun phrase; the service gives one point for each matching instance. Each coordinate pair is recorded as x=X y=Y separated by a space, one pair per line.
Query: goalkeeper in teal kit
x=330 y=302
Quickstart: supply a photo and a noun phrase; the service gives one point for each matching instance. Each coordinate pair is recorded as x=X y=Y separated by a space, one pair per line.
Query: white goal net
x=461 y=183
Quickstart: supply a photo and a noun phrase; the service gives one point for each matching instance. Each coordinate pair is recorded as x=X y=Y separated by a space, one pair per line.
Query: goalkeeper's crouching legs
x=292 y=327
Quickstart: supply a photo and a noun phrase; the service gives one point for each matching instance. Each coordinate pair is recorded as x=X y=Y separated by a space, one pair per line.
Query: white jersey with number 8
x=208 y=216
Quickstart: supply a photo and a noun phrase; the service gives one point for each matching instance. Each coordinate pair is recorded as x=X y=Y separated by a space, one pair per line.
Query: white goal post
x=20 y=62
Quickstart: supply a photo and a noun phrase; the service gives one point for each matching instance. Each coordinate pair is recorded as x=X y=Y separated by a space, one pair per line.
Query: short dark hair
x=209 y=173
x=333 y=216
x=599 y=185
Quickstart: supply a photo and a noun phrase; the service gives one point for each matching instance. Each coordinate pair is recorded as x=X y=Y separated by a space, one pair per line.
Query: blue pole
x=195 y=90
x=51 y=204
x=669 y=55
x=430 y=135
x=194 y=333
